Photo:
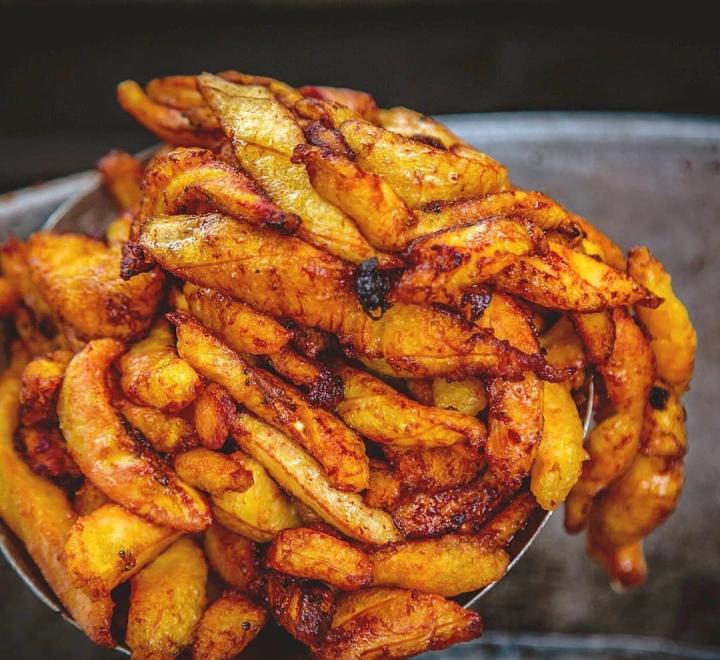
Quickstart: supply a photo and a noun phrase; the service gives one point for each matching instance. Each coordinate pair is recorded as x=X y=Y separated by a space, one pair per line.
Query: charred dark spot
x=320 y=135
x=47 y=327
x=434 y=207
x=659 y=398
x=429 y=140
x=326 y=391
x=477 y=302
x=285 y=223
x=446 y=258
x=372 y=285
x=246 y=625
x=134 y=261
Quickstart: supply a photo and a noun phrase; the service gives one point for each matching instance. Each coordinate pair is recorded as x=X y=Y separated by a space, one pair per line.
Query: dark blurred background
x=60 y=62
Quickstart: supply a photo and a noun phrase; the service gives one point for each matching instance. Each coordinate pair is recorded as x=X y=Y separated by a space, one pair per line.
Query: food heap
x=322 y=369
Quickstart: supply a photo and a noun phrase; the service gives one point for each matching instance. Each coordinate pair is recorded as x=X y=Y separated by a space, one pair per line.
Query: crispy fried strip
x=39 y=513
x=213 y=472
x=227 y=627
x=316 y=555
x=560 y=454
x=613 y=443
x=234 y=557
x=285 y=277
x=242 y=327
x=361 y=103
x=79 y=278
x=509 y=521
x=124 y=470
x=168 y=123
x=153 y=375
x=211 y=415
x=569 y=280
x=419 y=173
x=595 y=242
x=466 y=396
x=674 y=340
x=305 y=609
x=448 y=565
x=46 y=453
x=300 y=475
x=187 y=177
x=515 y=418
x=41 y=381
x=380 y=214
x=321 y=387
x=564 y=348
x=597 y=331
x=167 y=599
x=339 y=450
x=528 y=205
x=111 y=544
x=122 y=176
x=395 y=623
x=413 y=124
x=448 y=263
x=383 y=415
x=463 y=508
x=168 y=434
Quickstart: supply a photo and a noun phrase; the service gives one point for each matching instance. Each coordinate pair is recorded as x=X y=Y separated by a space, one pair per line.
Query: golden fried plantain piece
x=598 y=244
x=16 y=269
x=39 y=338
x=322 y=388
x=213 y=472
x=613 y=443
x=384 y=488
x=118 y=231
x=383 y=415
x=234 y=557
x=283 y=92
x=87 y=498
x=597 y=331
x=9 y=297
x=211 y=415
x=305 y=609
x=466 y=396
x=41 y=381
x=227 y=627
x=361 y=103
x=176 y=91
x=153 y=375
x=300 y=475
x=645 y=495
x=339 y=450
x=123 y=469
x=309 y=341
x=501 y=529
x=413 y=124
x=79 y=278
x=285 y=277
x=258 y=511
x=323 y=224
x=626 y=564
x=311 y=553
x=110 y=545
x=168 y=434
x=395 y=623
x=448 y=263
x=167 y=599
x=560 y=454
x=417 y=172
x=240 y=326
x=39 y=513
x=380 y=214
x=523 y=204
x=46 y=453
x=448 y=565
x=564 y=349
x=169 y=124
x=185 y=178
x=673 y=338
x=434 y=469
x=122 y=176
x=463 y=508
x=515 y=417
x=565 y=279
x=637 y=503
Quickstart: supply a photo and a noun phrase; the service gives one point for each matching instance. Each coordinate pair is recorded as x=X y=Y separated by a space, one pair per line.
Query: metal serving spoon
x=90 y=212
